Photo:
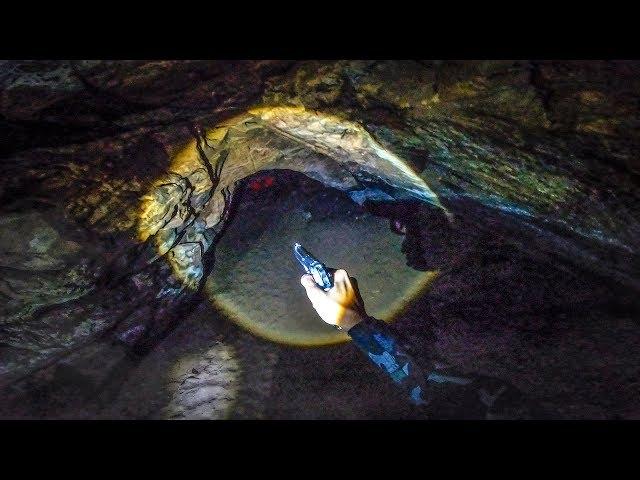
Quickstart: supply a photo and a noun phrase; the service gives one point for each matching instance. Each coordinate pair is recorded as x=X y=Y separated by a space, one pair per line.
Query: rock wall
x=535 y=161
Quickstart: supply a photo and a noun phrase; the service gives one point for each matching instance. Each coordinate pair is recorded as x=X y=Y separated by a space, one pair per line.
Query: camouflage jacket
x=444 y=392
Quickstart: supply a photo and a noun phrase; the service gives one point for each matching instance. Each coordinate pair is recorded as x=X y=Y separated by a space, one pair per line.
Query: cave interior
x=149 y=208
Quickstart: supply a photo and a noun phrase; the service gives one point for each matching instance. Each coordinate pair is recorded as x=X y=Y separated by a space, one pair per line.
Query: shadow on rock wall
x=535 y=160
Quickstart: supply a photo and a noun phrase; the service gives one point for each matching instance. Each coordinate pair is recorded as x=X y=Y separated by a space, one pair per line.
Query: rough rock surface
x=186 y=210
x=536 y=162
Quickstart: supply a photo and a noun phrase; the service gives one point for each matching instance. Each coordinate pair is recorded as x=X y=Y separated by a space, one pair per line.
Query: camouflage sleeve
x=427 y=383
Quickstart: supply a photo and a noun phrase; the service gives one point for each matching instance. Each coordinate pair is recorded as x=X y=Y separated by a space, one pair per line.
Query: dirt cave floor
x=148 y=211
x=216 y=365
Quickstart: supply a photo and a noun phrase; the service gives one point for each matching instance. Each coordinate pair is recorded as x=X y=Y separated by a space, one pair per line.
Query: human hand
x=341 y=305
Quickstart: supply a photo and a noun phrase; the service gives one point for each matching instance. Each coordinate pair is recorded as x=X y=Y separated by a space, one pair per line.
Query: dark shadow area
x=537 y=267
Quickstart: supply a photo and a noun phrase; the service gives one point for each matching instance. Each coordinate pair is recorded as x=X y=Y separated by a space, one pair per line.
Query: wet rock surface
x=538 y=284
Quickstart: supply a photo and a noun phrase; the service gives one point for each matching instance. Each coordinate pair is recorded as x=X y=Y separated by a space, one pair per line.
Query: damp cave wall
x=536 y=159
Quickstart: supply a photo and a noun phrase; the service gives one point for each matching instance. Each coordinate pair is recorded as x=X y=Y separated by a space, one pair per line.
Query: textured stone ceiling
x=535 y=163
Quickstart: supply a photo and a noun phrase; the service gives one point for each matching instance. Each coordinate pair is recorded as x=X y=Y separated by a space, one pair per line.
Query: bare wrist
x=350 y=320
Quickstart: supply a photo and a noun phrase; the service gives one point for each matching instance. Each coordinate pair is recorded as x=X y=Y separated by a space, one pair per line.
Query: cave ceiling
x=119 y=177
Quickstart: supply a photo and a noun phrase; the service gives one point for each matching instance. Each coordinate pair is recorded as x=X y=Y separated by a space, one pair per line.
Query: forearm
x=425 y=382
x=384 y=347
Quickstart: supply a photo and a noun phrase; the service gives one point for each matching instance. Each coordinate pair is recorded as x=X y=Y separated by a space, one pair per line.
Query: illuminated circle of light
x=259 y=289
x=182 y=208
x=393 y=311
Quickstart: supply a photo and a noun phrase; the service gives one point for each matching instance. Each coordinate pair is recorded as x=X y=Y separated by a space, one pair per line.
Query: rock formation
x=118 y=177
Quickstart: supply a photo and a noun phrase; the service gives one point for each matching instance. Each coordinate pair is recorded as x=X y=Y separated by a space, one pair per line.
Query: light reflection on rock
x=203 y=386
x=184 y=210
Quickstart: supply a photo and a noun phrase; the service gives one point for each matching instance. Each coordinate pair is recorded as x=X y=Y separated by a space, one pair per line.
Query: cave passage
x=488 y=209
x=256 y=279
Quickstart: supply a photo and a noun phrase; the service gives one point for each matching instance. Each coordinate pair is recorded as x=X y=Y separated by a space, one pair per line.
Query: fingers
x=340 y=276
x=341 y=281
x=314 y=292
x=307 y=280
x=344 y=288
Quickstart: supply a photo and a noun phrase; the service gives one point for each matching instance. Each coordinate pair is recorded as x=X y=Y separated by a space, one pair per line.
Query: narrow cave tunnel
x=487 y=210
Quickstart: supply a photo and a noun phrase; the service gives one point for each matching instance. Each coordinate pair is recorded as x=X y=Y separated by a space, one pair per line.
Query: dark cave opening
x=280 y=207
x=498 y=231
